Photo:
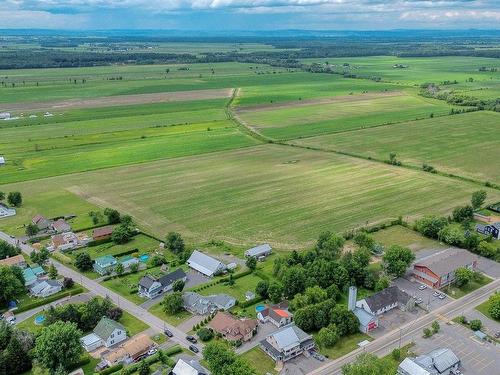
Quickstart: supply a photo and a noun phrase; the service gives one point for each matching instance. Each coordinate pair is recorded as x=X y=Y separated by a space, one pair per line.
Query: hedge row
x=236 y=276
x=50 y=299
x=250 y=302
x=149 y=360
x=111 y=369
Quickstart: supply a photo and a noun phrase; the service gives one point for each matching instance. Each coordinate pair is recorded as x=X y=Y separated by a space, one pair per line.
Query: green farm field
x=272 y=193
x=461 y=144
x=348 y=113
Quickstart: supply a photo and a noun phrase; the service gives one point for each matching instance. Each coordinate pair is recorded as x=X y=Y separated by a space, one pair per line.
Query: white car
x=436 y=294
x=442 y=296
x=152 y=351
x=422 y=287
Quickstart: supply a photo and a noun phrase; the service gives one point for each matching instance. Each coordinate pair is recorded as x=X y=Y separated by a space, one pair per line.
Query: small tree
x=15 y=198
x=396 y=354
x=327 y=336
x=31 y=230
x=178 y=285
x=174 y=242
x=261 y=288
x=112 y=215
x=397 y=259
x=68 y=283
x=205 y=334
x=173 y=303
x=427 y=332
x=251 y=263
x=275 y=291
x=494 y=306
x=53 y=272
x=435 y=326
x=134 y=267
x=382 y=283
x=463 y=276
x=143 y=368
x=478 y=198
x=475 y=324
x=83 y=262
x=119 y=269
x=115 y=313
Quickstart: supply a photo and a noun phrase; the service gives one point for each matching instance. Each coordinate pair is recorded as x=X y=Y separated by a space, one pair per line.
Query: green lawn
x=174 y=320
x=457 y=292
x=345 y=345
x=238 y=290
x=353 y=112
x=260 y=361
x=399 y=235
x=454 y=140
x=483 y=309
x=132 y=324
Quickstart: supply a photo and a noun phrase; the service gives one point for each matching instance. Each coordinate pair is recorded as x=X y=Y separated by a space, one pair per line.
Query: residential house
x=45 y=288
x=2 y=161
x=205 y=264
x=367 y=320
x=438 y=362
x=4 y=115
x=64 y=242
x=130 y=351
x=192 y=367
x=9 y=317
x=249 y=295
x=16 y=260
x=106 y=333
x=151 y=287
x=492 y=230
x=128 y=260
x=260 y=251
x=276 y=314
x=102 y=233
x=438 y=270
x=105 y=265
x=232 y=328
x=201 y=305
x=41 y=222
x=386 y=300
x=61 y=226
x=32 y=274
x=286 y=343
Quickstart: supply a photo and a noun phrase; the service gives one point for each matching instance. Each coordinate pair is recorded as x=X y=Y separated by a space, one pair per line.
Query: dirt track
x=329 y=100
x=108 y=101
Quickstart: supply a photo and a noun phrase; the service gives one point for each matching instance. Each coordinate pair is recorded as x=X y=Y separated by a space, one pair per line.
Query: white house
x=151 y=287
x=386 y=300
x=205 y=264
x=192 y=367
x=45 y=288
x=106 y=333
x=2 y=160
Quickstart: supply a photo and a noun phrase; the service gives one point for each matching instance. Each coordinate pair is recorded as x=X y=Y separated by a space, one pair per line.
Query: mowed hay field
x=280 y=194
x=45 y=147
x=467 y=144
x=352 y=112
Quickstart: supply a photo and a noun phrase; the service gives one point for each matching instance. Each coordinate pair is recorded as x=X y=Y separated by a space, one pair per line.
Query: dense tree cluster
x=7 y=250
x=11 y=283
x=222 y=360
x=15 y=350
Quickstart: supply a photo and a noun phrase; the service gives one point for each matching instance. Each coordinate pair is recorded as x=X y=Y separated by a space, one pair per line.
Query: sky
x=223 y=15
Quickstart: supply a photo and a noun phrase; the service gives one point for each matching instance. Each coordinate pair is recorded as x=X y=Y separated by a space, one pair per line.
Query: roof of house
x=289 y=336
x=439 y=359
x=43 y=284
x=198 y=302
x=61 y=225
x=90 y=339
x=106 y=327
x=147 y=281
x=38 y=219
x=412 y=368
x=170 y=278
x=386 y=297
x=363 y=316
x=258 y=250
x=277 y=312
x=102 y=231
x=496 y=225
x=204 y=263
x=12 y=261
x=226 y=323
x=29 y=275
x=138 y=344
x=192 y=367
x=106 y=260
x=447 y=260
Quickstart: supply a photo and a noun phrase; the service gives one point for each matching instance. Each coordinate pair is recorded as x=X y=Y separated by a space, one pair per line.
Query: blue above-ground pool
x=144 y=258
x=259 y=308
x=39 y=319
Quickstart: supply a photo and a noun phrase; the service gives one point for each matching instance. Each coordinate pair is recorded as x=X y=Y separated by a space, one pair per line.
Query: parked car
x=497 y=334
x=316 y=355
x=442 y=296
x=193 y=348
x=152 y=351
x=436 y=294
x=168 y=333
x=191 y=339
x=422 y=287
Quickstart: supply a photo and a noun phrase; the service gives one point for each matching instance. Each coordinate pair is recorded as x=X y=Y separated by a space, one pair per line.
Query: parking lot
x=478 y=358
x=300 y=365
x=429 y=300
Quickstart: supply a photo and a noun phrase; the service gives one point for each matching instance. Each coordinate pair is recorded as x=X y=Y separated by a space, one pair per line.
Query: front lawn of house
x=132 y=324
x=174 y=320
x=456 y=292
x=345 y=345
x=484 y=309
x=238 y=290
x=260 y=361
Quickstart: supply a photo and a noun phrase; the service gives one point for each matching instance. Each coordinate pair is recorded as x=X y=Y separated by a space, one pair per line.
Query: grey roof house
x=201 y=305
x=438 y=362
x=492 y=230
x=286 y=343
x=205 y=264
x=192 y=367
x=386 y=300
x=259 y=251
x=45 y=288
x=367 y=320
x=106 y=333
x=151 y=287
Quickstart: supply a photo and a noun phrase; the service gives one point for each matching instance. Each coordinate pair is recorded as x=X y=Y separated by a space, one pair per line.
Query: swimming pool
x=259 y=308
x=144 y=258
x=39 y=319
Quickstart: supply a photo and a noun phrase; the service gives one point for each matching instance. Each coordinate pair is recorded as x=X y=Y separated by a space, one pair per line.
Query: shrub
x=427 y=332
x=111 y=369
x=475 y=324
x=205 y=334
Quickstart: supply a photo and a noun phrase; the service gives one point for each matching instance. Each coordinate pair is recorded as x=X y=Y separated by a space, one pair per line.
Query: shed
x=259 y=251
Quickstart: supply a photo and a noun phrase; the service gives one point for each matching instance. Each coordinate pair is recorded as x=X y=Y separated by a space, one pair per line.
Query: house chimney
x=351 y=305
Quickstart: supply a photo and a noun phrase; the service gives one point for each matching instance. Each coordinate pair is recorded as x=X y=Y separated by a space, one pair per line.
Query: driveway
x=300 y=365
x=430 y=302
x=263 y=330
x=195 y=278
x=187 y=325
x=394 y=319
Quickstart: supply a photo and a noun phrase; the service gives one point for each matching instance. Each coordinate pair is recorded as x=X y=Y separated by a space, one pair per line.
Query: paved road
x=98 y=289
x=404 y=335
